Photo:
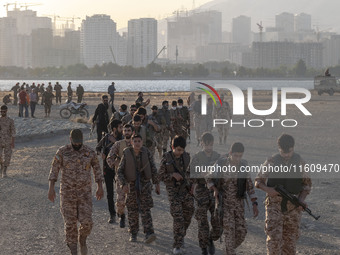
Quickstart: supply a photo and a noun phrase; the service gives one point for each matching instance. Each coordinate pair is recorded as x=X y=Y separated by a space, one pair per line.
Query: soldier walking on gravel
x=75 y=161
x=113 y=160
x=282 y=217
x=135 y=171
x=7 y=136
x=174 y=172
x=233 y=187
x=206 y=235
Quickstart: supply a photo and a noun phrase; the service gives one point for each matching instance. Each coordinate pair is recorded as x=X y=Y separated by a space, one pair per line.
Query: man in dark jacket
x=101 y=117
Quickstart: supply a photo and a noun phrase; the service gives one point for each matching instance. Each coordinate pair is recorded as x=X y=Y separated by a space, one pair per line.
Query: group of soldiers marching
x=127 y=149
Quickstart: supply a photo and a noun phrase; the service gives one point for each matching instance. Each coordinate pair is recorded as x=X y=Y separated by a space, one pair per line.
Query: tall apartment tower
x=142 y=41
x=284 y=22
x=97 y=38
x=241 y=30
x=302 y=22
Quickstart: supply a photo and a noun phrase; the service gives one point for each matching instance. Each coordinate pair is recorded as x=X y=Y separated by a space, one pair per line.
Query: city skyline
x=119 y=11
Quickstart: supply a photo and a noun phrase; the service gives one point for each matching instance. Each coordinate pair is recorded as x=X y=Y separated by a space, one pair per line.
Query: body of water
x=160 y=85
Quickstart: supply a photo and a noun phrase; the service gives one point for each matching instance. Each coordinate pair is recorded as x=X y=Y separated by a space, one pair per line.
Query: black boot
x=122 y=221
x=211 y=247
x=112 y=219
x=204 y=251
x=73 y=248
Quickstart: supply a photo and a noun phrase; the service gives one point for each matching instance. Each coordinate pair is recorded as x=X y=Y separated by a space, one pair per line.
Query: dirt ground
x=31 y=224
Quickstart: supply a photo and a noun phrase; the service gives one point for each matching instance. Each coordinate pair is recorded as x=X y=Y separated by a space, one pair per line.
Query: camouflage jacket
x=75 y=167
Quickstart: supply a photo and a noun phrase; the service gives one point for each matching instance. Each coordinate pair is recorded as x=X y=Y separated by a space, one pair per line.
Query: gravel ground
x=31 y=224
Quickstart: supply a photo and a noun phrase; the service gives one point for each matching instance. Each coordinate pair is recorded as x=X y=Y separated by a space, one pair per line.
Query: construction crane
x=28 y=5
x=158 y=54
x=113 y=56
x=8 y=4
x=260 y=29
x=318 y=32
x=68 y=19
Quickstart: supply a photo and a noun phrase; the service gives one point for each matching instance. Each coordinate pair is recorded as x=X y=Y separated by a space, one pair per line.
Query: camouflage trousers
x=142 y=205
x=165 y=134
x=6 y=151
x=47 y=108
x=282 y=229
x=120 y=200
x=222 y=133
x=234 y=224
x=207 y=204
x=76 y=208
x=198 y=128
x=181 y=209
x=159 y=142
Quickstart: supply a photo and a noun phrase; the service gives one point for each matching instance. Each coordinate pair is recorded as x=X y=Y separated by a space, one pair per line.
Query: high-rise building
x=302 y=22
x=276 y=54
x=8 y=41
x=241 y=30
x=122 y=43
x=42 y=45
x=27 y=21
x=285 y=22
x=98 y=40
x=185 y=33
x=142 y=42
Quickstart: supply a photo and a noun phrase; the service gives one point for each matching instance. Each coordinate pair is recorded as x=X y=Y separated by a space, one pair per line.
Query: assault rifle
x=184 y=184
x=294 y=200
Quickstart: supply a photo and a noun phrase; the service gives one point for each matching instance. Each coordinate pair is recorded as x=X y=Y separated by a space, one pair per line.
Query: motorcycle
x=66 y=110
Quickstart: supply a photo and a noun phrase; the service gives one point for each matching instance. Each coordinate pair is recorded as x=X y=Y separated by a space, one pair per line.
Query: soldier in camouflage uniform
x=176 y=122
x=234 y=186
x=103 y=147
x=58 y=88
x=128 y=117
x=48 y=96
x=282 y=217
x=75 y=162
x=206 y=237
x=184 y=118
x=113 y=160
x=160 y=120
x=197 y=118
x=7 y=136
x=151 y=127
x=135 y=171
x=174 y=172
x=222 y=112
x=165 y=129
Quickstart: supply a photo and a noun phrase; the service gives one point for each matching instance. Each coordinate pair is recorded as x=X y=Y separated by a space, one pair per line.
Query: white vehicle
x=69 y=108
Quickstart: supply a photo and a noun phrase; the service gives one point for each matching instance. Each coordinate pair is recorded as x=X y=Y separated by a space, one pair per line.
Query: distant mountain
x=325 y=13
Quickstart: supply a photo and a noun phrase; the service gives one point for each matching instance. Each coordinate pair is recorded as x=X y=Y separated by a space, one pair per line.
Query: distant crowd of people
x=29 y=96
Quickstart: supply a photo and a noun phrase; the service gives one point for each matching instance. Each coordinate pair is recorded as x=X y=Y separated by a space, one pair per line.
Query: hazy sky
x=119 y=10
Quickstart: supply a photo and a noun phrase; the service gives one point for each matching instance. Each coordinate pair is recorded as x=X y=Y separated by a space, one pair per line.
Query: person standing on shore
x=33 y=101
x=15 y=89
x=282 y=217
x=7 y=137
x=80 y=93
x=111 y=91
x=58 y=88
x=75 y=161
x=42 y=90
x=69 y=93
x=48 y=96
x=23 y=103
x=101 y=117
